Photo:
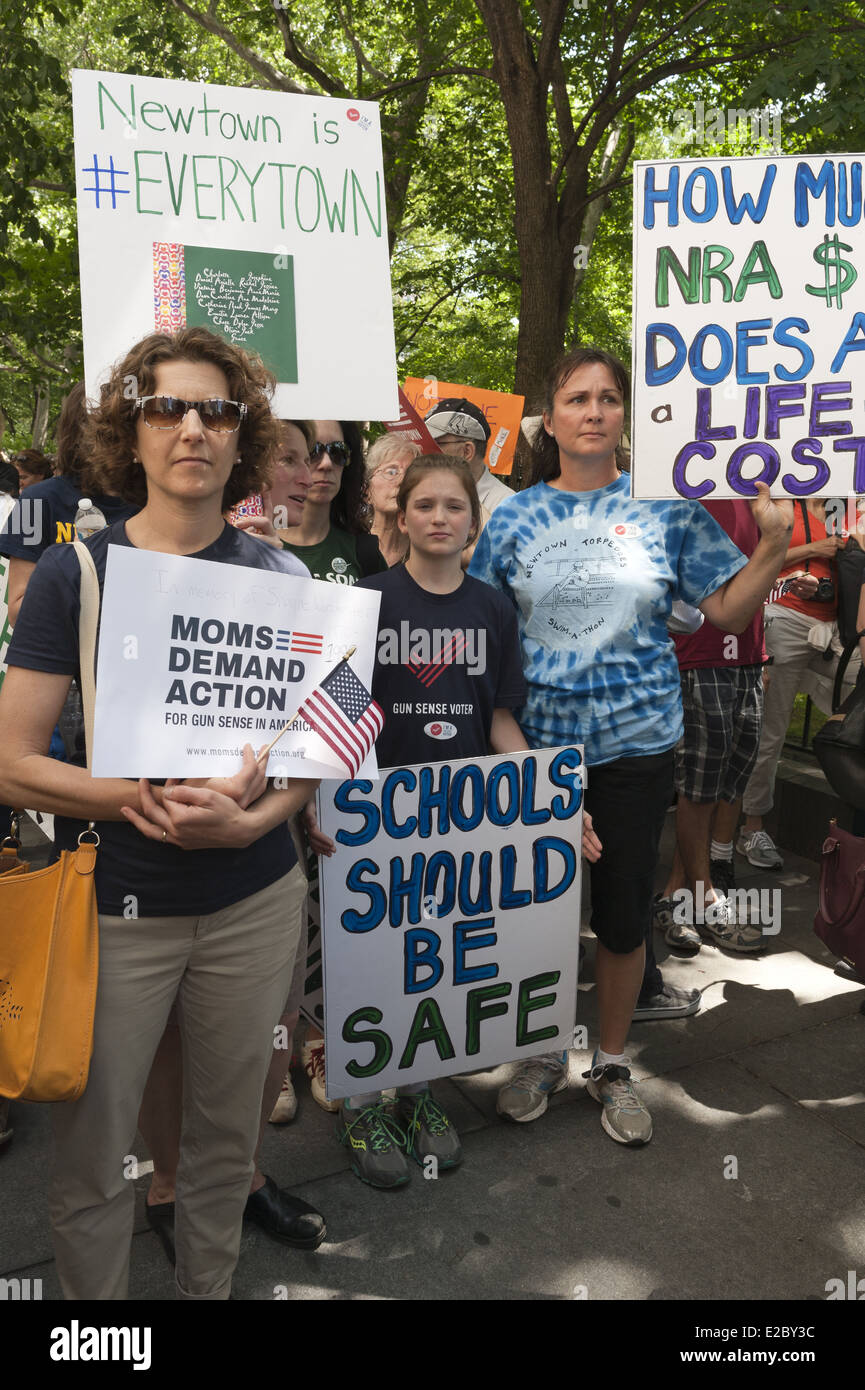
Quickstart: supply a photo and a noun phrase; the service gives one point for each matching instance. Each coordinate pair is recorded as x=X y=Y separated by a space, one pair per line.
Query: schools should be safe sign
x=450 y=915
x=259 y=215
x=748 y=327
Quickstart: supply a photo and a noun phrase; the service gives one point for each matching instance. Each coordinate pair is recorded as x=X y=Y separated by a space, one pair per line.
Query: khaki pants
x=229 y=972
x=794 y=659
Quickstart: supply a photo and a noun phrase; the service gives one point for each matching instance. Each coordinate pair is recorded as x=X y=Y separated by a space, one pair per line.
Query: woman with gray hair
x=386 y=463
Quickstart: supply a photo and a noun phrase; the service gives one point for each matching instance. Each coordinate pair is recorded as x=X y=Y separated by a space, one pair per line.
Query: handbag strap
x=88 y=620
x=807 y=532
x=828 y=863
x=843 y=662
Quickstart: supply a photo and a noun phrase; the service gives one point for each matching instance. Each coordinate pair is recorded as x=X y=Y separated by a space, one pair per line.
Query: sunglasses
x=337 y=450
x=167 y=412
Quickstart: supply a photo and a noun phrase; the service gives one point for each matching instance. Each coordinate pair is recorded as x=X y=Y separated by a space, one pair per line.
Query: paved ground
x=765 y=1082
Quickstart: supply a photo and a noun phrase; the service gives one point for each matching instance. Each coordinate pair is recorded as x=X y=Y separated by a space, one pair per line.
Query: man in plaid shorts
x=722 y=703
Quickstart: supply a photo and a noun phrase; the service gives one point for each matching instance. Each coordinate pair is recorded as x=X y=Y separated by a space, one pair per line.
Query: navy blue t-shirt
x=165 y=880
x=44 y=514
x=444 y=664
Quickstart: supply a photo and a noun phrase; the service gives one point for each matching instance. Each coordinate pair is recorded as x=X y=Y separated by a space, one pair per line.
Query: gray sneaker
x=527 y=1094
x=725 y=931
x=680 y=935
x=376 y=1144
x=429 y=1132
x=624 y=1116
x=668 y=1003
x=759 y=850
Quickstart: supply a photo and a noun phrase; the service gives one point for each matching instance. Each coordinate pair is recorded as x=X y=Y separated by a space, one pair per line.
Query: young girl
x=480 y=672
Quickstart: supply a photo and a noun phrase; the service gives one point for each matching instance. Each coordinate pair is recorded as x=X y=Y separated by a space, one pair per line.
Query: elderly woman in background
x=386 y=463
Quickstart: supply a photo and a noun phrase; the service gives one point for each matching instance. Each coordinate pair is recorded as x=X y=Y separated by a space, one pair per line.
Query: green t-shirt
x=336 y=559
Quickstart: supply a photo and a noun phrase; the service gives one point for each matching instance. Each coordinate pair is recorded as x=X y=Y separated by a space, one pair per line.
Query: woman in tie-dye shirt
x=593 y=575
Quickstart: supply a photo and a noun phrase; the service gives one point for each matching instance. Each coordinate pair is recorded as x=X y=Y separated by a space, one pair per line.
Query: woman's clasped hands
x=211 y=813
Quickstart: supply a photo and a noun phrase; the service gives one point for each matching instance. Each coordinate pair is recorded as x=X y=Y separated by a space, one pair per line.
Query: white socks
x=607 y=1059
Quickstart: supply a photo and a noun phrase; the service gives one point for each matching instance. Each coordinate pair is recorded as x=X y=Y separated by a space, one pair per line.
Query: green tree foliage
x=509 y=132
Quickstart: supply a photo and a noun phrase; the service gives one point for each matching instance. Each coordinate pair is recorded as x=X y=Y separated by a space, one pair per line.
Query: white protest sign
x=258 y=214
x=450 y=915
x=198 y=658
x=6 y=505
x=748 y=327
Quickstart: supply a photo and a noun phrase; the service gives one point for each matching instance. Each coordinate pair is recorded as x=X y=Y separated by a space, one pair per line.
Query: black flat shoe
x=284 y=1217
x=160 y=1218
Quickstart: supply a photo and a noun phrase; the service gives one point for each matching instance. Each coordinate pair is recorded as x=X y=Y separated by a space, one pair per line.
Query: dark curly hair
x=545 y=450
x=348 y=509
x=110 y=432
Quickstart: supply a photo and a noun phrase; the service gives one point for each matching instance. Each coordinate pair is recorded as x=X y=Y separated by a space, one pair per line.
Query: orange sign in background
x=502 y=411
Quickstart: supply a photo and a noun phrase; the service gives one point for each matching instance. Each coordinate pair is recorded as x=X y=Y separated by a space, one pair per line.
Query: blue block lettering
x=655 y=374
x=566 y=771
x=736 y=211
x=421 y=952
x=343 y=802
x=668 y=195
x=409 y=889
x=545 y=892
x=466 y=939
x=400 y=777
x=353 y=920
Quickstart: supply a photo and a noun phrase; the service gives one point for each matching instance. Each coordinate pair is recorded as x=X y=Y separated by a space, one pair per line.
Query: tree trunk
x=546 y=249
x=40 y=414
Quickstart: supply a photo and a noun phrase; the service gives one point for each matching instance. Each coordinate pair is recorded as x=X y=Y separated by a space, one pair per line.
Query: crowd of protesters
x=187 y=1010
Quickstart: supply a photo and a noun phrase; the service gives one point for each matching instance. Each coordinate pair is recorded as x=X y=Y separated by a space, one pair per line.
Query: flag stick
x=265 y=752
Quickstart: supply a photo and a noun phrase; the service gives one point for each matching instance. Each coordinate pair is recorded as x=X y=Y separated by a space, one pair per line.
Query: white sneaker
x=759 y=849
x=624 y=1116
x=527 y=1094
x=286 y=1106
x=312 y=1057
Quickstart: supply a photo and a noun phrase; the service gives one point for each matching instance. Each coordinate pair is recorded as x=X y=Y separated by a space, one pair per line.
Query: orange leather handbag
x=49 y=937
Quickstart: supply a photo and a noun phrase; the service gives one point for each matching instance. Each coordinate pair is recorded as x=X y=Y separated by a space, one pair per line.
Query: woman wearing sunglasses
x=198 y=888
x=333 y=539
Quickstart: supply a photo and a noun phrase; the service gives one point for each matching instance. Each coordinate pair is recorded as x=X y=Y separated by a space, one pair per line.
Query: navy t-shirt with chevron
x=444 y=663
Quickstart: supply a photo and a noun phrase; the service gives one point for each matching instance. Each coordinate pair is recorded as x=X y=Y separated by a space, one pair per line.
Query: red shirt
x=709 y=646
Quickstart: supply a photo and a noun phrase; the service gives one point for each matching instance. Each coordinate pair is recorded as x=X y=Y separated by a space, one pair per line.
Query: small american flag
x=344 y=714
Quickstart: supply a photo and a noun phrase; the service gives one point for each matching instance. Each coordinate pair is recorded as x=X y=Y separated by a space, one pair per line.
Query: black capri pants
x=627 y=800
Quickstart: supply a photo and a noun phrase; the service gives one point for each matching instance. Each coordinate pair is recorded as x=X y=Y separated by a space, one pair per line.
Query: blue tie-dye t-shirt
x=593 y=576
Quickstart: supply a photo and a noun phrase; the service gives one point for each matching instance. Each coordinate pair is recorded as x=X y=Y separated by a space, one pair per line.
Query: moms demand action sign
x=257 y=214
x=198 y=658
x=749 y=326
x=450 y=916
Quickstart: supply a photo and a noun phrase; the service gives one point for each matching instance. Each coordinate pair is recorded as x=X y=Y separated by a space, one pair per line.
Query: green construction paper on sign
x=248 y=298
